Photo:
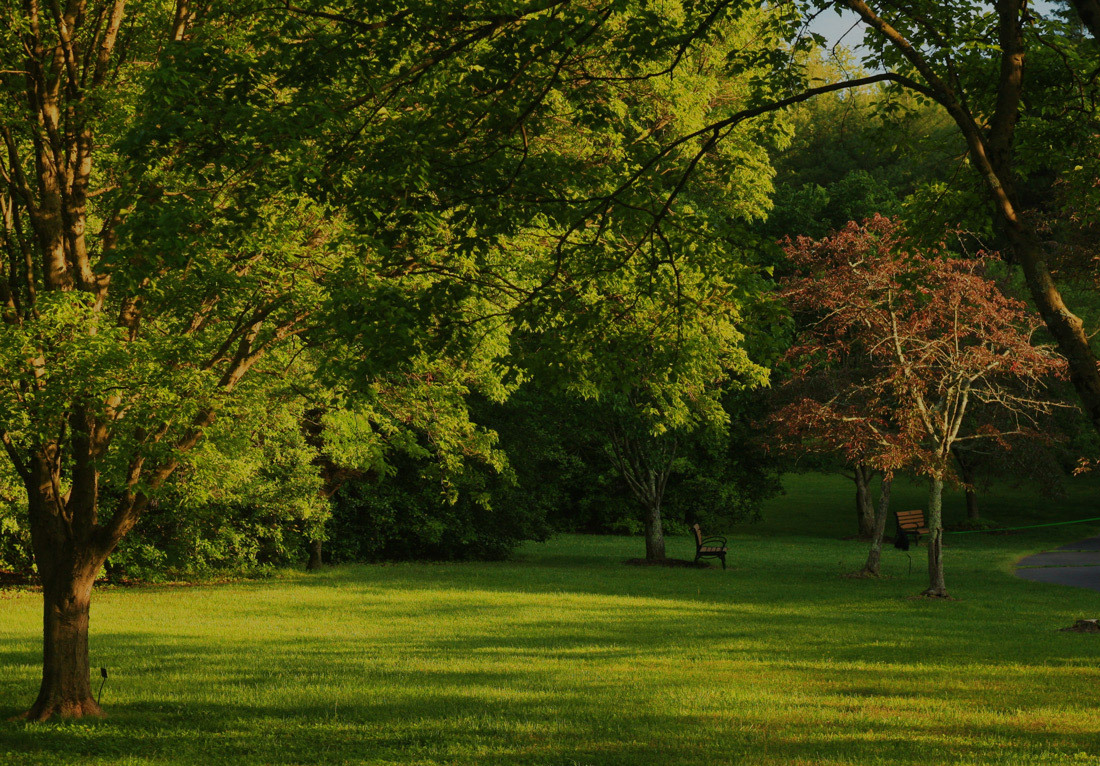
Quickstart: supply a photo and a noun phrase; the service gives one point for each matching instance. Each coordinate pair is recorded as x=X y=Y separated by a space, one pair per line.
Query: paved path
x=1076 y=564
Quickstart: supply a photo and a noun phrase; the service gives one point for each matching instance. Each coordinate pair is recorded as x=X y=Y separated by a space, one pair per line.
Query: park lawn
x=563 y=655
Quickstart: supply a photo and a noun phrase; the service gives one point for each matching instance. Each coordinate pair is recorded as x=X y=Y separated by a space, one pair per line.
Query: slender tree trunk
x=332 y=475
x=936 y=585
x=654 y=534
x=874 y=555
x=972 y=513
x=966 y=473
x=865 y=507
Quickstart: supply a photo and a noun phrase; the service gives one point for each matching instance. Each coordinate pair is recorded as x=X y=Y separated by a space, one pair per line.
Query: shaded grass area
x=563 y=655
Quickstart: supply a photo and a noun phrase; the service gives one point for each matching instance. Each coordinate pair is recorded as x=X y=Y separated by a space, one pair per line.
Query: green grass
x=565 y=656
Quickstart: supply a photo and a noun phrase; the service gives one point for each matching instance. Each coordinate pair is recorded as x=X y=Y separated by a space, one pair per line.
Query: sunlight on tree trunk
x=936 y=586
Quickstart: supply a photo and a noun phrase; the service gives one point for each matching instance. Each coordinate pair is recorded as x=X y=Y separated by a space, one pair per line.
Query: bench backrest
x=698 y=535
x=910 y=519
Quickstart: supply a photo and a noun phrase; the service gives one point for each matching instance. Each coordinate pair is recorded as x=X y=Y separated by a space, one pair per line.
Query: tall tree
x=150 y=264
x=939 y=334
x=970 y=60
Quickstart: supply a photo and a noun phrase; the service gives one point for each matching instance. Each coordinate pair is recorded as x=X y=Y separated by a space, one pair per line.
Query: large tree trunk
x=936 y=586
x=69 y=551
x=874 y=555
x=654 y=534
x=69 y=557
x=66 y=680
x=1067 y=329
x=865 y=507
x=991 y=156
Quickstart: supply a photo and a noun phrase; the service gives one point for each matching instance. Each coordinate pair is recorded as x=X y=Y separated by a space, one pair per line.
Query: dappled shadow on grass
x=330 y=704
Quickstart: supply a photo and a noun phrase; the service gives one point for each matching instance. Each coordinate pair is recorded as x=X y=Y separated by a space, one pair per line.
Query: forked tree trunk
x=936 y=586
x=865 y=507
x=874 y=555
x=654 y=534
x=645 y=465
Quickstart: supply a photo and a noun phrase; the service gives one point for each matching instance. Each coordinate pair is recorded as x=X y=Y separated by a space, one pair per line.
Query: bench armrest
x=707 y=540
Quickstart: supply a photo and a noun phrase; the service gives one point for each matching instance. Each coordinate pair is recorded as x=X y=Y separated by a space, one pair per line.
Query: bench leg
x=723 y=557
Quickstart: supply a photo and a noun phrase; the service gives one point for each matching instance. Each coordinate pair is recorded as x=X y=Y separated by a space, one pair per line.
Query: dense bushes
x=559 y=454
x=409 y=516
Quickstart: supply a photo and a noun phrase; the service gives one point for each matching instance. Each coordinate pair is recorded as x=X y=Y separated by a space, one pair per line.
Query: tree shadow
x=514 y=714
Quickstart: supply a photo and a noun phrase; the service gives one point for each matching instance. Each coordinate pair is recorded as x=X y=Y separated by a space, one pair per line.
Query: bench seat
x=709 y=547
x=912 y=523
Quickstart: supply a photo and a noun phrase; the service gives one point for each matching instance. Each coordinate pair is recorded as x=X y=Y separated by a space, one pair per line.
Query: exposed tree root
x=44 y=711
x=939 y=595
x=863 y=574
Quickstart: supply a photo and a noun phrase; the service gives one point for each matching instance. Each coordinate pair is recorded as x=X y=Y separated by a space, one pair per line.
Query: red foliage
x=897 y=343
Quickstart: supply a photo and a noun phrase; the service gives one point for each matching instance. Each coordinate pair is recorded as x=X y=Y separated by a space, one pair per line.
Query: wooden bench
x=709 y=547
x=912 y=524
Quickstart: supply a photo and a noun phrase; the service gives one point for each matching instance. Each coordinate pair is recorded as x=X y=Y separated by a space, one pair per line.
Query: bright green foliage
x=535 y=178
x=245 y=501
x=204 y=261
x=372 y=208
x=553 y=210
x=862 y=151
x=15 y=539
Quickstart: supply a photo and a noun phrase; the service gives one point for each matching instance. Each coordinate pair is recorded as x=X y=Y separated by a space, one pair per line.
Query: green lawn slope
x=563 y=655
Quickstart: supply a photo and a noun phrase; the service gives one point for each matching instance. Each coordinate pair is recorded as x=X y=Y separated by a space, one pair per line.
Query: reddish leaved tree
x=826 y=409
x=933 y=335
